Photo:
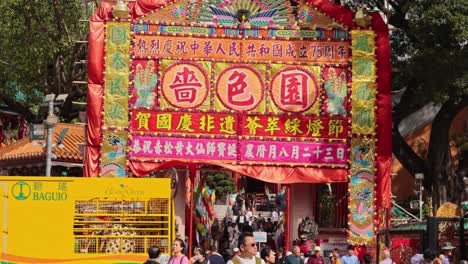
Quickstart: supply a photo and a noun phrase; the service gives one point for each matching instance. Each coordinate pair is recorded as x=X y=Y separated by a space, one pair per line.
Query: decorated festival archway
x=285 y=92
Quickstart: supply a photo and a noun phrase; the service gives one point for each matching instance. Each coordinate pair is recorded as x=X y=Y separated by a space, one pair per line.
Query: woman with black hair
x=268 y=255
x=153 y=254
x=178 y=248
x=198 y=256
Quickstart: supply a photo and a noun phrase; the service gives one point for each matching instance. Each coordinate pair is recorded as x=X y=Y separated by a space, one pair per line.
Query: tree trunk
x=439 y=159
x=406 y=155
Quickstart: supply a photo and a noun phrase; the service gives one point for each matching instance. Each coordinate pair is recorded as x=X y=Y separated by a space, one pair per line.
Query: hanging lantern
x=120 y=9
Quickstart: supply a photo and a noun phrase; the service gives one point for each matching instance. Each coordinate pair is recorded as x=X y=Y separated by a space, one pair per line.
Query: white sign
x=260 y=237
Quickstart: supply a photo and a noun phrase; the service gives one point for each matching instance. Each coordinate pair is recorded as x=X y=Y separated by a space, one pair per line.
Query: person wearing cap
x=349 y=258
x=235 y=252
x=316 y=258
x=446 y=254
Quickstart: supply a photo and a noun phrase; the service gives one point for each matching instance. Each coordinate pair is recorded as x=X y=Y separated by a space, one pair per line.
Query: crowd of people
x=225 y=233
x=443 y=256
x=247 y=252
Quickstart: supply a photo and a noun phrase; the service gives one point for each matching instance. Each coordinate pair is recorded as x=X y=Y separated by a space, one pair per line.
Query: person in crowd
x=417 y=258
x=178 y=257
x=349 y=258
x=236 y=208
x=198 y=256
x=295 y=258
x=367 y=259
x=275 y=217
x=447 y=252
x=249 y=213
x=281 y=256
x=268 y=255
x=260 y=220
x=234 y=232
x=268 y=226
x=248 y=251
x=215 y=232
x=241 y=220
x=227 y=218
x=316 y=258
x=253 y=223
x=429 y=256
x=153 y=255
x=336 y=256
x=386 y=257
x=235 y=252
x=215 y=257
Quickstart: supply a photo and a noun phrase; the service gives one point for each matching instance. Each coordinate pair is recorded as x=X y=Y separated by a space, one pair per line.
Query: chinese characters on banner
x=200 y=149
x=222 y=124
x=267 y=112
x=242 y=49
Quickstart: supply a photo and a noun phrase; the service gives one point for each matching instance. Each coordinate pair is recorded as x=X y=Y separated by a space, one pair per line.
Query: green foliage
x=430 y=52
x=222 y=182
x=37 y=47
x=429 y=48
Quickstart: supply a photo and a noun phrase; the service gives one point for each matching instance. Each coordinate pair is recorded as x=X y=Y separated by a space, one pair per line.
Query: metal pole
x=50 y=131
x=288 y=217
x=421 y=189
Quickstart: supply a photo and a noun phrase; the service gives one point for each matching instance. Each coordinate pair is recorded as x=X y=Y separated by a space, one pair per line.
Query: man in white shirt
x=248 y=251
x=275 y=217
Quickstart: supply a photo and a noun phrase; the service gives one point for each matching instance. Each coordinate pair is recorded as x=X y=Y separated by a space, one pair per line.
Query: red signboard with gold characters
x=272 y=88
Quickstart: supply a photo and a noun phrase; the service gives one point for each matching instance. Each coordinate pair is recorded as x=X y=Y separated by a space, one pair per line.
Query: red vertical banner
x=193 y=174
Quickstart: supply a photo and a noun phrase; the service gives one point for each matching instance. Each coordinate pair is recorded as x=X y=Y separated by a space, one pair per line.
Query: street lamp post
x=50 y=122
x=419 y=181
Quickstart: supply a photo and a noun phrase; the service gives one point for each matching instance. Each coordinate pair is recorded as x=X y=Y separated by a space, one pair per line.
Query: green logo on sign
x=21 y=191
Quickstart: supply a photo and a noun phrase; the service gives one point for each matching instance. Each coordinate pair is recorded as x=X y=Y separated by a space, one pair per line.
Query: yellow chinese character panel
x=294 y=89
x=239 y=87
x=185 y=84
x=113 y=156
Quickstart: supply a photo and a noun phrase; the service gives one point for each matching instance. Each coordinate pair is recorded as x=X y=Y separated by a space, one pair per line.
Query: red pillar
x=193 y=174
x=313 y=200
x=288 y=217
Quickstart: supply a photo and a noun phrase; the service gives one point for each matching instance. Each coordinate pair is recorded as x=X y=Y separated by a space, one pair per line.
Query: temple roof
x=27 y=151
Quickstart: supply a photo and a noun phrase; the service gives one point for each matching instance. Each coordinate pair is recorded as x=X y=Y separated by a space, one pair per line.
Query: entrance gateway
x=283 y=92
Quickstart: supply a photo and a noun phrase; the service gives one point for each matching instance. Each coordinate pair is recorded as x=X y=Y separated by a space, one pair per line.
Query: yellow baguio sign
x=84 y=220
